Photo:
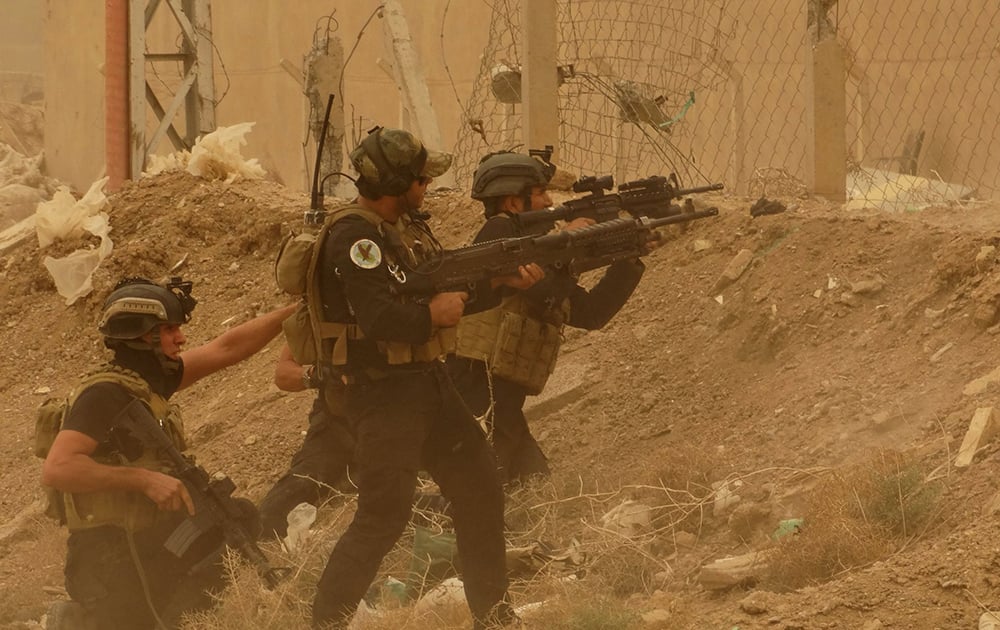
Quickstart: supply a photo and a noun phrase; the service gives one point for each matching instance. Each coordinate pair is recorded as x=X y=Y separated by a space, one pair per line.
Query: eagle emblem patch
x=366 y=254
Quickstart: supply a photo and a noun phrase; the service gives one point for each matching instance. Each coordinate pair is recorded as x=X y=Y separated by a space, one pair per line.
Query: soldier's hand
x=580 y=222
x=527 y=276
x=447 y=308
x=168 y=493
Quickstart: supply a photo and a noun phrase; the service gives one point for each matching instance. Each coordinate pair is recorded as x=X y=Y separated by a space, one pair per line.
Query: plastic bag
x=62 y=217
x=73 y=273
x=217 y=155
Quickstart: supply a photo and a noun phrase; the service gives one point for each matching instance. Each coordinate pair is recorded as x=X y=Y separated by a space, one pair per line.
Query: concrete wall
x=928 y=84
x=250 y=78
x=21 y=50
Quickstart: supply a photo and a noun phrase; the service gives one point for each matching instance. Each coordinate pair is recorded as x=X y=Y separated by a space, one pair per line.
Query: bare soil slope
x=848 y=331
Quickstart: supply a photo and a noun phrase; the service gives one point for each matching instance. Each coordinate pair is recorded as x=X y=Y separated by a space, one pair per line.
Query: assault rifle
x=215 y=508
x=577 y=251
x=650 y=197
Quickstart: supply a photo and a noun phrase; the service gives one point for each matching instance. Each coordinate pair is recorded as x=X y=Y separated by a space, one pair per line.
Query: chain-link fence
x=717 y=90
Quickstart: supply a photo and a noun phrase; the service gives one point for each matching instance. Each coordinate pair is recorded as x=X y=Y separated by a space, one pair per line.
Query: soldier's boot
x=285 y=495
x=69 y=615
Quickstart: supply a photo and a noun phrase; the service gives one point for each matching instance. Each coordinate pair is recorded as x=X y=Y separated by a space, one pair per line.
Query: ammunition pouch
x=516 y=346
x=85 y=510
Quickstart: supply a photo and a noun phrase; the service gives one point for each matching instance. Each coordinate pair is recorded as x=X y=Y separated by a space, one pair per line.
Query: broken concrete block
x=982 y=428
x=989 y=621
x=868 y=287
x=734 y=269
x=982 y=384
x=733 y=571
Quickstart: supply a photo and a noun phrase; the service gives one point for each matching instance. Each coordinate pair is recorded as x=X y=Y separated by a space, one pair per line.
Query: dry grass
x=613 y=576
x=588 y=591
x=856 y=517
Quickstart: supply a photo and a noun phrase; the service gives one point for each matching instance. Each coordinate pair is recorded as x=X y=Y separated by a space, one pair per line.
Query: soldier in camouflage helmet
x=115 y=493
x=405 y=410
x=496 y=366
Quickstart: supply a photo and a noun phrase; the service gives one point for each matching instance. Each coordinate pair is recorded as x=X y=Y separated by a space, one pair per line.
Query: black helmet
x=507 y=173
x=136 y=306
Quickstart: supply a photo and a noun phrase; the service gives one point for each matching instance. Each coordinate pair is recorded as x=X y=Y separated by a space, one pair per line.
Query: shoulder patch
x=366 y=254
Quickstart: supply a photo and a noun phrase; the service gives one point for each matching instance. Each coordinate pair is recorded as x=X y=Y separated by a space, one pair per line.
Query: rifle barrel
x=699 y=189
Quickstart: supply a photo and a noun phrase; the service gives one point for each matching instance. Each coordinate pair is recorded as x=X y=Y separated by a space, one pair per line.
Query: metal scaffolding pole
x=195 y=93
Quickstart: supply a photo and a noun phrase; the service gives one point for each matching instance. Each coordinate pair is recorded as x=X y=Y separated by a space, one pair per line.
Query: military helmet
x=393 y=158
x=137 y=305
x=507 y=173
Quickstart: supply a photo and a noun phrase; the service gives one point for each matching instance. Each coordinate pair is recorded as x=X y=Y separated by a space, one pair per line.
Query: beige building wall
x=21 y=50
x=756 y=120
x=252 y=38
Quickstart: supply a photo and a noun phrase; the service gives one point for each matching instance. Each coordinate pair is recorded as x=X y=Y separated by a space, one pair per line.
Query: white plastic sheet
x=217 y=155
x=63 y=218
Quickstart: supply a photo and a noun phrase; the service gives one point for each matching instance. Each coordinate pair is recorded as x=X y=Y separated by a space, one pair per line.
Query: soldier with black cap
x=114 y=492
x=507 y=353
x=405 y=411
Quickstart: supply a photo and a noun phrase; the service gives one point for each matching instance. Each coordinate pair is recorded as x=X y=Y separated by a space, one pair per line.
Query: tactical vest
x=313 y=339
x=129 y=510
x=516 y=342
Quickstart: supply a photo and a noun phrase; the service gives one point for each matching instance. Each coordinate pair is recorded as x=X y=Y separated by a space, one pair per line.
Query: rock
x=728 y=572
x=656 y=617
x=985 y=314
x=847 y=298
x=868 y=287
x=629 y=519
x=250 y=441
x=700 y=245
x=986 y=252
x=873 y=624
x=734 y=270
x=982 y=384
x=989 y=621
x=754 y=604
x=931 y=313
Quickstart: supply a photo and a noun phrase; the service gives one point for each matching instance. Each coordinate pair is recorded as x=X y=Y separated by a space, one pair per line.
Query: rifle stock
x=579 y=250
x=215 y=506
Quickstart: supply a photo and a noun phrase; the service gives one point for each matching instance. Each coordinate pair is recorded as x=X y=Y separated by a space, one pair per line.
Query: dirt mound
x=845 y=332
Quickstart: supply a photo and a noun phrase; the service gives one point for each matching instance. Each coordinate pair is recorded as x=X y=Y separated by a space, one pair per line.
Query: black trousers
x=518 y=455
x=406 y=422
x=102 y=576
x=320 y=462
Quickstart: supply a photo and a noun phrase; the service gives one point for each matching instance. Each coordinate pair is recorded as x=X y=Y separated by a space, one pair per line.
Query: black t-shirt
x=96 y=408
